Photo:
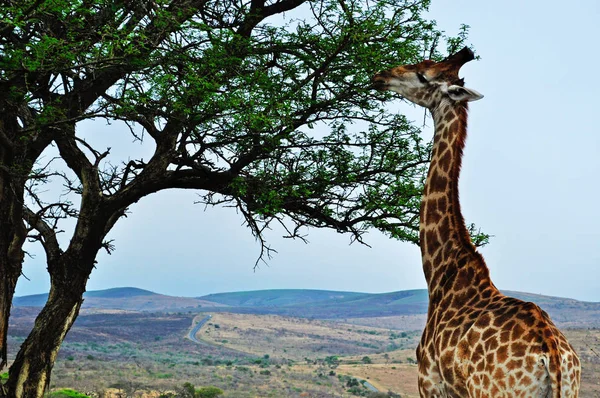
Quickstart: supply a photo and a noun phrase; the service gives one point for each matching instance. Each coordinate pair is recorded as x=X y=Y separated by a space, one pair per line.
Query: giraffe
x=477 y=342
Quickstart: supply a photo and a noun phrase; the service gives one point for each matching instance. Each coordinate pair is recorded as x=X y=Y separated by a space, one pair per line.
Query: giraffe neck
x=445 y=241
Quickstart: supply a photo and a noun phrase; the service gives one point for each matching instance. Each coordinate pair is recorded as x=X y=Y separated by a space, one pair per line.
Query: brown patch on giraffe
x=460 y=299
x=437 y=182
x=495 y=391
x=473 y=337
x=517 y=331
x=446 y=133
x=462 y=280
x=502 y=354
x=491 y=345
x=486 y=293
x=488 y=333
x=485 y=381
x=431 y=212
x=450 y=115
x=518 y=349
x=455 y=337
x=445 y=161
x=525 y=380
x=511 y=381
x=442 y=205
x=483 y=321
x=454 y=125
x=431 y=241
x=446 y=360
x=427 y=268
x=514 y=364
x=480 y=365
x=441 y=147
x=444 y=229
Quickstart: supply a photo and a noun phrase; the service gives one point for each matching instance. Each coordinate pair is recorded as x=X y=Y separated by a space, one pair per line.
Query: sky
x=530 y=178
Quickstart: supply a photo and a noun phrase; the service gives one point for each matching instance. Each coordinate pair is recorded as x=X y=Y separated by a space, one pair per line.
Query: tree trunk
x=29 y=375
x=12 y=237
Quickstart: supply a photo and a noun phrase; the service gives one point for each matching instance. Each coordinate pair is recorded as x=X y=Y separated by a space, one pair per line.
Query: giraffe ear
x=458 y=93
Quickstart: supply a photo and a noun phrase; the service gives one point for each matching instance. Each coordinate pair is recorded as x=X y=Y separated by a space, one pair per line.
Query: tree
x=190 y=391
x=263 y=105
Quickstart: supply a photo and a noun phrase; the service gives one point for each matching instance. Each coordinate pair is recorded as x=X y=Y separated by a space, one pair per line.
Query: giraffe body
x=477 y=342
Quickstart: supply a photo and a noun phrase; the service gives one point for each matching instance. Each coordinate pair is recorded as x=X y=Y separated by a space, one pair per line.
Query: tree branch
x=48 y=235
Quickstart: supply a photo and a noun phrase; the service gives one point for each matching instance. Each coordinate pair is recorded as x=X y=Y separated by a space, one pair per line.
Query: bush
x=352 y=382
x=67 y=393
x=208 y=392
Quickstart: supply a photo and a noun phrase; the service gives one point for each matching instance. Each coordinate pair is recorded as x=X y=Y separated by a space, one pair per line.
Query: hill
x=347 y=305
x=306 y=303
x=125 y=298
x=279 y=297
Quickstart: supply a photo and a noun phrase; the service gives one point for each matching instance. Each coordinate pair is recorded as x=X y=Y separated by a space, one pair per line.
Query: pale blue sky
x=530 y=178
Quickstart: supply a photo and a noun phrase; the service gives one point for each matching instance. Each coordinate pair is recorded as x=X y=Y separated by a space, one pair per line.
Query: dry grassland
x=298 y=339
x=397 y=322
x=294 y=338
x=401 y=379
x=150 y=351
x=587 y=345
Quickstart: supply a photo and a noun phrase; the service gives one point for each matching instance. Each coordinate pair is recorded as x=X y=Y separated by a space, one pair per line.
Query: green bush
x=67 y=393
x=208 y=392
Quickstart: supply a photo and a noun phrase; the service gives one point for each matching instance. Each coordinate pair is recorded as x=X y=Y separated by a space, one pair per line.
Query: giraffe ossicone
x=477 y=342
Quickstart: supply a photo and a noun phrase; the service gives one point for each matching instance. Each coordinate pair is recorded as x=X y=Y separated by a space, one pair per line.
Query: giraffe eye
x=422 y=78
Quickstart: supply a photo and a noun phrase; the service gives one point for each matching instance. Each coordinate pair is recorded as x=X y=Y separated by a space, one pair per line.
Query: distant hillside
x=346 y=305
x=279 y=297
x=119 y=292
x=125 y=298
x=305 y=303
x=322 y=304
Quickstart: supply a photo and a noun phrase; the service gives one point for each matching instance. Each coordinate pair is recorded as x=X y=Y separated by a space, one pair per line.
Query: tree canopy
x=264 y=105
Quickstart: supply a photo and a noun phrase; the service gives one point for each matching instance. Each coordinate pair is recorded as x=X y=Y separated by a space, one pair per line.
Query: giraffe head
x=429 y=83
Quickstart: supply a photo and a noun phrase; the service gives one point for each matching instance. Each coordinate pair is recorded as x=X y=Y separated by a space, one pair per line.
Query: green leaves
x=279 y=106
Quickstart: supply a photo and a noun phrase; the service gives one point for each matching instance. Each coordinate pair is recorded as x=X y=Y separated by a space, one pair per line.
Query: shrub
x=208 y=392
x=352 y=382
x=67 y=393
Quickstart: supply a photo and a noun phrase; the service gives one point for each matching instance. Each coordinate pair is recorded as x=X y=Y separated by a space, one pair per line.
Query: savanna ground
x=129 y=354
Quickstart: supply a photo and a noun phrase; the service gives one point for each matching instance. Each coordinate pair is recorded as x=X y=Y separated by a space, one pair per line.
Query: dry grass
x=587 y=345
x=397 y=322
x=401 y=379
x=151 y=350
x=293 y=338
